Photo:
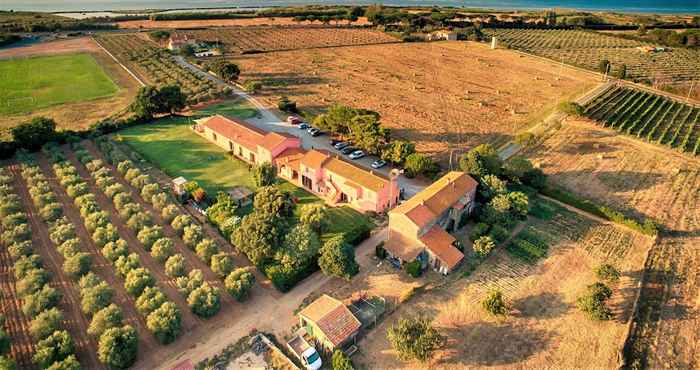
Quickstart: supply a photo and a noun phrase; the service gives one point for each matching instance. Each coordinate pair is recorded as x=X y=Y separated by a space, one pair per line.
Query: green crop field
x=28 y=84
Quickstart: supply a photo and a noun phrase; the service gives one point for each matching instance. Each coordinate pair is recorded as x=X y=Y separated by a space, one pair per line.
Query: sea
x=630 y=6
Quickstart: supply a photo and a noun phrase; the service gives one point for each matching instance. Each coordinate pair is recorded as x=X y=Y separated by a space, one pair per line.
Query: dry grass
x=440 y=95
x=544 y=329
x=79 y=115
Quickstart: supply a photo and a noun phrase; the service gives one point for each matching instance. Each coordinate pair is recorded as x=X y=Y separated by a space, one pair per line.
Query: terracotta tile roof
x=290 y=157
x=274 y=139
x=314 y=159
x=366 y=179
x=440 y=243
x=421 y=215
x=438 y=197
x=332 y=317
x=237 y=131
x=400 y=246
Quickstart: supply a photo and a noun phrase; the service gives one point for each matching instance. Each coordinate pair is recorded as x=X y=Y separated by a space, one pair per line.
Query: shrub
x=118 y=347
x=483 y=246
x=180 y=222
x=494 y=303
x=125 y=166
x=139 y=221
x=77 y=265
x=192 y=235
x=498 y=233
x=413 y=268
x=221 y=264
x=56 y=347
x=112 y=190
x=571 y=108
x=113 y=250
x=149 y=190
x=106 y=318
x=96 y=298
x=340 y=361
x=95 y=220
x=45 y=323
x=239 y=282
x=607 y=273
x=149 y=235
x=186 y=284
x=169 y=213
x=286 y=105
x=124 y=264
x=204 y=301
x=162 y=249
x=175 y=266
x=478 y=231
x=5 y=344
x=379 y=251
x=151 y=298
x=165 y=322
x=417 y=164
x=315 y=216
x=32 y=282
x=264 y=174
x=206 y=249
x=593 y=302
x=137 y=280
x=104 y=235
x=414 y=338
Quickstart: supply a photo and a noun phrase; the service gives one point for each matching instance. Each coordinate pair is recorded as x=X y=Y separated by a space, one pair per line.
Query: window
x=230 y=146
x=213 y=135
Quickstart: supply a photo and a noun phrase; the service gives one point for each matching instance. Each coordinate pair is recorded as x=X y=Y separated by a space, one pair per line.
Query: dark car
x=315 y=132
x=342 y=145
x=348 y=149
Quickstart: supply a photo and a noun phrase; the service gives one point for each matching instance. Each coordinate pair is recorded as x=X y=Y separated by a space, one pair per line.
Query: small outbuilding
x=330 y=322
x=241 y=195
x=179 y=185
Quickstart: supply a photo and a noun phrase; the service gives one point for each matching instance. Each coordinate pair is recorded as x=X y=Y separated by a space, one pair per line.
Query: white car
x=357 y=154
x=312 y=360
x=379 y=163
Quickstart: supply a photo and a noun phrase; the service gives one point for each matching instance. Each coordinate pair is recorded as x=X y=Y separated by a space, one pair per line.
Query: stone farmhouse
x=333 y=179
x=419 y=228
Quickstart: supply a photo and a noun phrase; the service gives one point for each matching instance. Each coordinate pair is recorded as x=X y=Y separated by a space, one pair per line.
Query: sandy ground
x=646 y=180
x=77 y=115
x=544 y=328
x=440 y=95
x=223 y=23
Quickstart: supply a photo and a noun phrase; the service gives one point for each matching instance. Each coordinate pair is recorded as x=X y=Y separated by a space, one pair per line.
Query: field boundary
x=118 y=62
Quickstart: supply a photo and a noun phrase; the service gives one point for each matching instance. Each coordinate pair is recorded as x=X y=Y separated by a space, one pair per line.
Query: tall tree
x=338 y=258
x=35 y=133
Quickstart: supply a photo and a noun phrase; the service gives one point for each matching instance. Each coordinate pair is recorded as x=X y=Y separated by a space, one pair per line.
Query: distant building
x=418 y=228
x=178 y=40
x=335 y=180
x=330 y=322
x=443 y=35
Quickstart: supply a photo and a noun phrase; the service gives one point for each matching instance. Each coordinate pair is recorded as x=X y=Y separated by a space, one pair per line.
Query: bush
x=315 y=216
x=239 y=282
x=106 y=318
x=499 y=233
x=77 y=265
x=341 y=361
x=44 y=299
x=162 y=249
x=414 y=338
x=417 y=164
x=607 y=273
x=118 y=347
x=221 y=264
x=96 y=298
x=593 y=302
x=483 y=246
x=206 y=249
x=379 y=251
x=180 y=222
x=413 y=268
x=56 y=347
x=192 y=235
x=169 y=213
x=124 y=264
x=104 y=235
x=286 y=105
x=204 y=301
x=478 y=231
x=165 y=322
x=45 y=323
x=151 y=298
x=571 y=108
x=175 y=266
x=149 y=235
x=113 y=250
x=137 y=280
x=494 y=303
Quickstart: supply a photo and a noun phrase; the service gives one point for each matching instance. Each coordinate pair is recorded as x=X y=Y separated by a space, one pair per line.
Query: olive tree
x=205 y=249
x=77 y=265
x=96 y=298
x=56 y=347
x=151 y=298
x=175 y=266
x=221 y=264
x=239 y=282
x=45 y=323
x=162 y=249
x=108 y=317
x=204 y=301
x=46 y=298
x=165 y=322
x=118 y=347
x=137 y=280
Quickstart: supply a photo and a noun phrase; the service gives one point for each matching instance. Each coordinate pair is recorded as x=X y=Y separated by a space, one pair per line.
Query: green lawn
x=171 y=145
x=28 y=84
x=230 y=109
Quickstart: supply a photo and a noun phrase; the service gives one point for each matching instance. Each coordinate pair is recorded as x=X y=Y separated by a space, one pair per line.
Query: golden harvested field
x=78 y=115
x=440 y=95
x=247 y=39
x=650 y=181
x=279 y=21
x=544 y=328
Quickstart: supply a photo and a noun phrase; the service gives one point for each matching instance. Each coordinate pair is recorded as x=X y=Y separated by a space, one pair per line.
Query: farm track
x=75 y=322
x=190 y=257
x=100 y=265
x=16 y=323
x=189 y=320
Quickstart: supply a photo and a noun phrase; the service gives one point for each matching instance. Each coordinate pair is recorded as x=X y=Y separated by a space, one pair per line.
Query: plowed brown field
x=440 y=95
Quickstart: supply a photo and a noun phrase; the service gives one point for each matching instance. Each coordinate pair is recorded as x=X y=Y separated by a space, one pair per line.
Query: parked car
x=304 y=126
x=294 y=120
x=357 y=154
x=342 y=145
x=305 y=352
x=314 y=131
x=379 y=163
x=333 y=141
x=348 y=149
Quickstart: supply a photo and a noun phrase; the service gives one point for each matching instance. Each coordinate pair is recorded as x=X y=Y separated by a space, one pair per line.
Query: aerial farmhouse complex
x=319 y=172
x=418 y=228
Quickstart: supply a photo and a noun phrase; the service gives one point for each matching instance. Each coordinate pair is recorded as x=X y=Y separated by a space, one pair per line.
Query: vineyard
x=587 y=48
x=156 y=66
x=648 y=116
x=247 y=39
x=99 y=264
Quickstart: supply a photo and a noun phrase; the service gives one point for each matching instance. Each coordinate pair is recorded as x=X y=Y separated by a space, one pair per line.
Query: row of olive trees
x=54 y=346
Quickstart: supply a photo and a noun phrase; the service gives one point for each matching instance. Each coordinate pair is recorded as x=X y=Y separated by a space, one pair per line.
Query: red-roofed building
x=418 y=228
x=330 y=322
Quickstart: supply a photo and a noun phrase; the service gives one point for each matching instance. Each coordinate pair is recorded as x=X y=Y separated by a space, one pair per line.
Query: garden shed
x=179 y=185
